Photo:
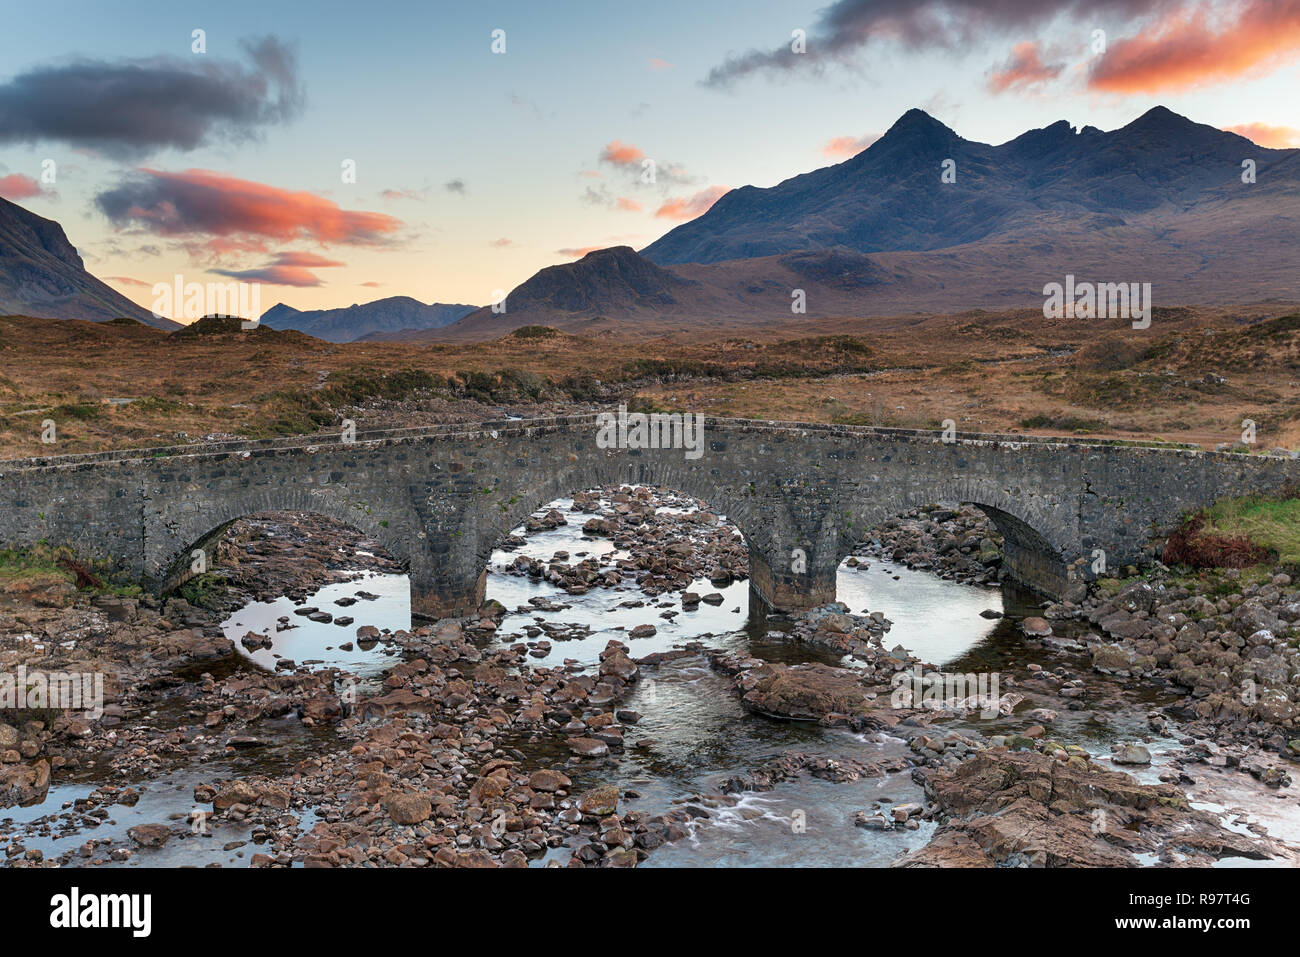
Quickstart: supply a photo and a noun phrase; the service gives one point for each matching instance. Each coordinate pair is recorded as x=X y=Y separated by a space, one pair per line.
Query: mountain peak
x=917 y=122
x=612 y=253
x=1161 y=118
x=917 y=117
x=915 y=129
x=361 y=320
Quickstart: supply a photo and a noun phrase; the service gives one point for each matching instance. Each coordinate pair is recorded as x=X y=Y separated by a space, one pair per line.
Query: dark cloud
x=848 y=25
x=455 y=186
x=286 y=269
x=275 y=276
x=128 y=109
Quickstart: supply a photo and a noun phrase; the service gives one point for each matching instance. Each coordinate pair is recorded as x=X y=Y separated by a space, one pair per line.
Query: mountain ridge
x=890 y=197
x=1160 y=199
x=43 y=275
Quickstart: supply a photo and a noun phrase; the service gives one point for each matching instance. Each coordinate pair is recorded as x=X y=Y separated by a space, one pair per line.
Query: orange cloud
x=621 y=154
x=16 y=186
x=688 y=207
x=1025 y=68
x=1188 y=49
x=843 y=147
x=127 y=281
x=658 y=64
x=502 y=243
x=628 y=205
x=1274 y=137
x=306 y=260
x=203 y=202
x=579 y=252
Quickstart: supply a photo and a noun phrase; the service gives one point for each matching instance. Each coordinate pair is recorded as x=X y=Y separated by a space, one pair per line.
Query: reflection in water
x=318 y=642
x=935 y=619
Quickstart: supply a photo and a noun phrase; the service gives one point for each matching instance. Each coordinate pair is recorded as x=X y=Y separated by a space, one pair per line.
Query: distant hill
x=42 y=275
x=214 y=326
x=383 y=316
x=1044 y=183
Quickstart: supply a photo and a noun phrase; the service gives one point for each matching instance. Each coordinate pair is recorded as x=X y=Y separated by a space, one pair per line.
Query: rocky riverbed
x=615 y=704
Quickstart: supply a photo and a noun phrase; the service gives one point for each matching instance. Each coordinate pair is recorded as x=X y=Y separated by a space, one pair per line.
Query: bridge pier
x=1042 y=572
x=434 y=598
x=1030 y=560
x=783 y=589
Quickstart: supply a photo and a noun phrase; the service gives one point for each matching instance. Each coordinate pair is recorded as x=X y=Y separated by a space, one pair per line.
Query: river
x=696 y=729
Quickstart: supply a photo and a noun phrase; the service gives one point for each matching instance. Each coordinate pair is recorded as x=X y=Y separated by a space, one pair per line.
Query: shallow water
x=700 y=735
x=318 y=642
x=937 y=620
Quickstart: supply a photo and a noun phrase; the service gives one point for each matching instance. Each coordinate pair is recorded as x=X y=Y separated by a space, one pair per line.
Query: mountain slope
x=890 y=197
x=383 y=316
x=42 y=275
x=613 y=282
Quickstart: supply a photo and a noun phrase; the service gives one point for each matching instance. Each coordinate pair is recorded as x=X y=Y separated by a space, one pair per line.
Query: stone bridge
x=442 y=499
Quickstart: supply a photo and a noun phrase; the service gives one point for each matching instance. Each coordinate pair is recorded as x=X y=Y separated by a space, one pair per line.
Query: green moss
x=203 y=591
x=33 y=563
x=1272 y=523
x=45 y=562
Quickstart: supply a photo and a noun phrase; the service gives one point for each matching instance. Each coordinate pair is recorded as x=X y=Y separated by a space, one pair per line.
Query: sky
x=341 y=152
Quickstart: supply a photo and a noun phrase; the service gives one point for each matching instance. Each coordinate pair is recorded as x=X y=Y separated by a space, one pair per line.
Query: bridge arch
x=181 y=528
x=1040 y=539
x=461 y=581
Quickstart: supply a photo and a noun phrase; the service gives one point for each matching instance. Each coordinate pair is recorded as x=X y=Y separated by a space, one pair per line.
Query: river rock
x=588 y=747
x=408 y=809
x=1110 y=659
x=235 y=792
x=599 y=802
x=1031 y=809
x=149 y=835
x=1132 y=754
x=549 y=781
x=810 y=691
